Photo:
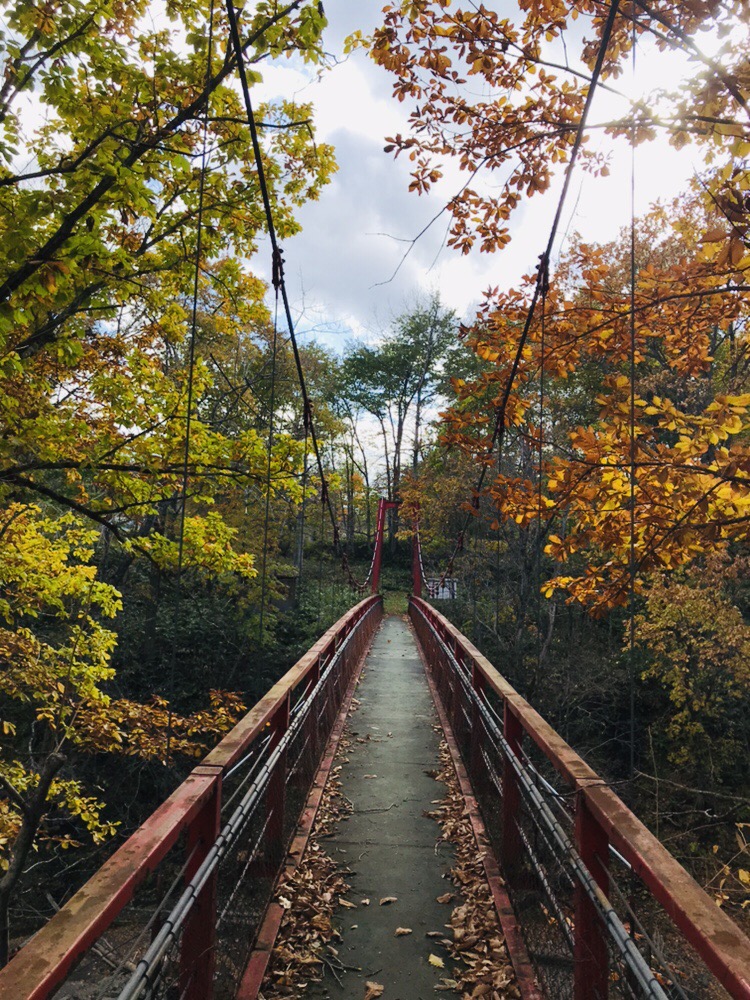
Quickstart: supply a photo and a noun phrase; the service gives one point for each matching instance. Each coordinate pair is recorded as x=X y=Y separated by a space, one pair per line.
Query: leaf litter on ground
x=304 y=945
x=474 y=938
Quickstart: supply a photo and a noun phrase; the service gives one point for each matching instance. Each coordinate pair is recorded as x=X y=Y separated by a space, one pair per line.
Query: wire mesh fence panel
x=107 y=966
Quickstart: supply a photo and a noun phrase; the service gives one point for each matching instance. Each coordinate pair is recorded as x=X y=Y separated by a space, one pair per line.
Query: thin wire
x=278 y=265
x=190 y=385
x=542 y=345
x=278 y=260
x=631 y=556
x=267 y=518
x=300 y=579
x=499 y=428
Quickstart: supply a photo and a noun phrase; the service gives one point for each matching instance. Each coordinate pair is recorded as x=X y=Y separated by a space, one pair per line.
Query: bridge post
x=276 y=793
x=416 y=564
x=378 y=558
x=198 y=945
x=591 y=974
x=477 y=765
x=511 y=805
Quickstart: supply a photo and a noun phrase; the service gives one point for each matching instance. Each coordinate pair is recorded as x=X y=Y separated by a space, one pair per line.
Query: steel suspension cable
x=278 y=267
x=631 y=554
x=540 y=491
x=271 y=417
x=278 y=260
x=499 y=427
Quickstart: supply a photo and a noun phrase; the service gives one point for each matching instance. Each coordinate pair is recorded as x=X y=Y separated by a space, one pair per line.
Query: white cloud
x=338 y=268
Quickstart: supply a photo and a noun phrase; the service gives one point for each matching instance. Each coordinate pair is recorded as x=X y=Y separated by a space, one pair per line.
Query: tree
x=662 y=445
x=695 y=644
x=55 y=677
x=691 y=491
x=399 y=379
x=104 y=115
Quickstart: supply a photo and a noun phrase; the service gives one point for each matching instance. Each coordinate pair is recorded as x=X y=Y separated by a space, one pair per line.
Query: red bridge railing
x=606 y=911
x=174 y=912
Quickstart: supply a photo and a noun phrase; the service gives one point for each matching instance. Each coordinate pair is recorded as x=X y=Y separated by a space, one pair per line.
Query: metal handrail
x=717 y=939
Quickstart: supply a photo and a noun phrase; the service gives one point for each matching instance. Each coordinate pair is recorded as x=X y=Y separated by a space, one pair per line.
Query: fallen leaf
x=388 y=899
x=346 y=903
x=437 y=962
x=373 y=990
x=401 y=931
x=365 y=902
x=446 y=897
x=284 y=903
x=369 y=775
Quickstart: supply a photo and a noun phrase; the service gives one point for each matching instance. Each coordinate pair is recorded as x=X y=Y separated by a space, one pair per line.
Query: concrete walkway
x=388 y=843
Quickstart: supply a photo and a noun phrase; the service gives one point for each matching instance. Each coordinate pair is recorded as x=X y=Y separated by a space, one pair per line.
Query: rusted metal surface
x=602 y=819
x=45 y=962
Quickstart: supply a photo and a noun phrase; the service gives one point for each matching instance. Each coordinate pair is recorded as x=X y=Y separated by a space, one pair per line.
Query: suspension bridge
x=589 y=904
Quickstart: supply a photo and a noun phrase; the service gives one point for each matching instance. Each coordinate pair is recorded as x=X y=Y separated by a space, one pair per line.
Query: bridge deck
x=389 y=844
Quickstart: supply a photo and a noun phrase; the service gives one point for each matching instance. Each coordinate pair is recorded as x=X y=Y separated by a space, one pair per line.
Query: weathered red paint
x=45 y=962
x=383 y=506
x=511 y=804
x=716 y=938
x=199 y=933
x=591 y=970
x=47 y=959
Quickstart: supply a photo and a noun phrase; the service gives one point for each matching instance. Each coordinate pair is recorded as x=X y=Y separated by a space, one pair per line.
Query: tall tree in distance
x=400 y=378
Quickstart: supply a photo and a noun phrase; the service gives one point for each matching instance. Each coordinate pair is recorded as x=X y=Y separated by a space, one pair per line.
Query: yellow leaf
x=437 y=962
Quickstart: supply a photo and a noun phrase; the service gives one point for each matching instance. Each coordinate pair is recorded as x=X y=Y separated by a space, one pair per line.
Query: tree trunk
x=33 y=810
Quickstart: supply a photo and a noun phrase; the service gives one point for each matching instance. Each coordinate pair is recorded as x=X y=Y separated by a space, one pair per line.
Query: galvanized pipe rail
x=184 y=952
x=559 y=863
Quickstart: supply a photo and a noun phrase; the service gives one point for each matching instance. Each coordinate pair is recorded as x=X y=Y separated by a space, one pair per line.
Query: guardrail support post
x=511 y=839
x=276 y=794
x=416 y=565
x=477 y=765
x=591 y=977
x=197 y=948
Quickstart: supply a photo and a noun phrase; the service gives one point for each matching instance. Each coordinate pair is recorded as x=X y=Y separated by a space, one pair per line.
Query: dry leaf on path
x=388 y=899
x=445 y=898
x=401 y=931
x=437 y=962
x=365 y=902
x=373 y=990
x=346 y=903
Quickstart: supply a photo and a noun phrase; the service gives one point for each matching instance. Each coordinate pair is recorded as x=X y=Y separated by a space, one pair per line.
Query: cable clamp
x=278 y=268
x=544 y=273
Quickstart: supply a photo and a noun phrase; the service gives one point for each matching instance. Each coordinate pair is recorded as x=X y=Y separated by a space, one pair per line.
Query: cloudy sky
x=340 y=269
